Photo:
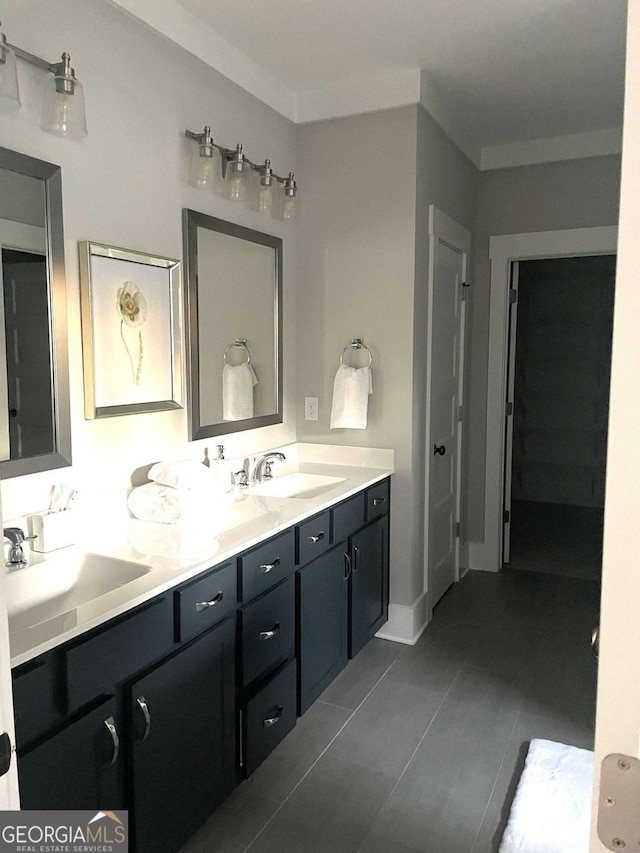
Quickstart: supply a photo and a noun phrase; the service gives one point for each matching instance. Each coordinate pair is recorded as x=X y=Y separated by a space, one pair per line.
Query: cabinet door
x=78 y=768
x=369 y=589
x=322 y=590
x=184 y=743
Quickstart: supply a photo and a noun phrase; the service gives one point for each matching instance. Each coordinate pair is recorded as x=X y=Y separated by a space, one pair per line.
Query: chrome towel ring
x=356 y=343
x=239 y=342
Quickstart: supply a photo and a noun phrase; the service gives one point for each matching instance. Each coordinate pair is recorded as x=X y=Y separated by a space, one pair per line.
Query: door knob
x=439 y=450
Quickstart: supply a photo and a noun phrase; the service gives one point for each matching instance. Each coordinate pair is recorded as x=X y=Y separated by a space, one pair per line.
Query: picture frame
x=131 y=305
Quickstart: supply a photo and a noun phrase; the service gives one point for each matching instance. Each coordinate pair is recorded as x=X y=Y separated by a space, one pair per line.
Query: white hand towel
x=351 y=389
x=237 y=391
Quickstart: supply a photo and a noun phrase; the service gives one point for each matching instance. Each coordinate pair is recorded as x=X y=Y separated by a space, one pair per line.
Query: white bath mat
x=551 y=811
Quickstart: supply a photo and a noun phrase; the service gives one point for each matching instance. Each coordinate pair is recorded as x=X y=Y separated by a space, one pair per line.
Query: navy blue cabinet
x=182 y=740
x=322 y=598
x=369 y=583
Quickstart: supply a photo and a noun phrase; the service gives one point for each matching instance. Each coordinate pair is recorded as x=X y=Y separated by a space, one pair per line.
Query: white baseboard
x=406 y=623
x=482 y=558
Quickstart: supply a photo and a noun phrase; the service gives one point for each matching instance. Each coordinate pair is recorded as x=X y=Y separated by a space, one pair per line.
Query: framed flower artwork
x=131 y=304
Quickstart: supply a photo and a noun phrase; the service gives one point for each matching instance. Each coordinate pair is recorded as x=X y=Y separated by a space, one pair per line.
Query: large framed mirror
x=35 y=429
x=234 y=326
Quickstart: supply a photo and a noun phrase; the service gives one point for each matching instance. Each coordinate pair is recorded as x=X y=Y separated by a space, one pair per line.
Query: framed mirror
x=234 y=322
x=35 y=430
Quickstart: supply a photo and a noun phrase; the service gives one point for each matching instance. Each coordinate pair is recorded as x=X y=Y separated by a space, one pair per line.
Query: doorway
x=561 y=325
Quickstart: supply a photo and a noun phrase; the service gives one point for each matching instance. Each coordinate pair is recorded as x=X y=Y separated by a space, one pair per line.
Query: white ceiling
x=493 y=71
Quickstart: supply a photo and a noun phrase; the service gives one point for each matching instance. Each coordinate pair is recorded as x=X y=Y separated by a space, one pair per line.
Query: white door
x=449 y=248
x=9 y=798
x=618 y=707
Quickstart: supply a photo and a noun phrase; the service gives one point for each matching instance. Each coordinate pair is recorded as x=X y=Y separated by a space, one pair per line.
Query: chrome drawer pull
x=269 y=567
x=267 y=635
x=317 y=537
x=204 y=605
x=378 y=501
x=110 y=723
x=271 y=721
x=142 y=704
x=347 y=561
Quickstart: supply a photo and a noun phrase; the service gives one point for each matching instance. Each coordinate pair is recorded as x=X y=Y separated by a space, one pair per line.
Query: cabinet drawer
x=348 y=517
x=95 y=665
x=313 y=538
x=204 y=602
x=377 y=498
x=33 y=700
x=269 y=716
x=267 y=627
x=264 y=566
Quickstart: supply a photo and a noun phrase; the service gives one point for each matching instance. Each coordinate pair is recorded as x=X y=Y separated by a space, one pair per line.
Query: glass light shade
x=63 y=113
x=265 y=198
x=9 y=93
x=289 y=211
x=203 y=174
x=236 y=184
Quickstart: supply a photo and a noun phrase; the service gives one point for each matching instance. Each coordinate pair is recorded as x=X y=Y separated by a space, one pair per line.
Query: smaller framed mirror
x=234 y=322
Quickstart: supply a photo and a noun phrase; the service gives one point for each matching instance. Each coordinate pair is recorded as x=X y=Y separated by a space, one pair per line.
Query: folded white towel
x=351 y=389
x=237 y=391
x=153 y=502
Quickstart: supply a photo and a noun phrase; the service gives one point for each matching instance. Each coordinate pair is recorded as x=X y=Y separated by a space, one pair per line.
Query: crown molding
x=574 y=146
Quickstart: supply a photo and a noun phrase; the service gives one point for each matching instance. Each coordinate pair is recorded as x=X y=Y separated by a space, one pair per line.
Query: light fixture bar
x=228 y=154
x=32 y=58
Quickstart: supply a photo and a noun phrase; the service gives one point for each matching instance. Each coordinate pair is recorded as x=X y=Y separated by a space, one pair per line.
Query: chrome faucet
x=262 y=469
x=16 y=558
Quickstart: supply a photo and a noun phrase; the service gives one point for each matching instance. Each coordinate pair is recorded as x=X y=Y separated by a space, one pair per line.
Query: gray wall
x=362 y=271
x=551 y=196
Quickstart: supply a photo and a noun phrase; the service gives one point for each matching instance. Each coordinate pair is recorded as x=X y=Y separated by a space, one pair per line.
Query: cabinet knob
x=317 y=537
x=269 y=567
x=271 y=721
x=142 y=704
x=110 y=724
x=267 y=635
x=205 y=605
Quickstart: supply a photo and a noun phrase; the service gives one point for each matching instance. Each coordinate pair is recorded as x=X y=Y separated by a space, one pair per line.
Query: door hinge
x=506 y=516
x=618 y=814
x=509 y=409
x=456 y=529
x=460 y=413
x=513 y=296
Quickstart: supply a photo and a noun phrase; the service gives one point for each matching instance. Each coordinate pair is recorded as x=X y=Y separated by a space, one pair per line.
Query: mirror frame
x=51 y=176
x=192 y=220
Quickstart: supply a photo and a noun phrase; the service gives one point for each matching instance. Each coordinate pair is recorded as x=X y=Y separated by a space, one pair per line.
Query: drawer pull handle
x=378 y=501
x=205 y=605
x=269 y=567
x=142 y=704
x=356 y=558
x=110 y=723
x=317 y=537
x=271 y=721
x=347 y=562
x=267 y=635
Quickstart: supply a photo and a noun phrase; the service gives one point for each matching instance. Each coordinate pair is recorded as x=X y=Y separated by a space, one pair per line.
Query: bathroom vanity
x=165 y=706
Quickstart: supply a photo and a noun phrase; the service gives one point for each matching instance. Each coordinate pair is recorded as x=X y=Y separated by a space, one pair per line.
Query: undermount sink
x=56 y=585
x=296 y=486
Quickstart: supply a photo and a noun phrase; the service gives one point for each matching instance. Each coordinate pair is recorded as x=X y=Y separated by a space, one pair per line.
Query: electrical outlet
x=311 y=408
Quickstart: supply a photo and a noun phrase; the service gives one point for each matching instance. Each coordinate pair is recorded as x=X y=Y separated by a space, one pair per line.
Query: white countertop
x=176 y=553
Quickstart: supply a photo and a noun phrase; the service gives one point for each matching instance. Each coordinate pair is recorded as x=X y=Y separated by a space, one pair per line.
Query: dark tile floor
x=418 y=749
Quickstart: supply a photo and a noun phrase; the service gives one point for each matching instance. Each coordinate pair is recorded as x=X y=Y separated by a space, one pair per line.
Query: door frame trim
x=503 y=250
x=443 y=227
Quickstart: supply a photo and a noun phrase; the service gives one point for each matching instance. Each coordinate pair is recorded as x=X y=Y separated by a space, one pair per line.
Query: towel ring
x=357 y=343
x=239 y=342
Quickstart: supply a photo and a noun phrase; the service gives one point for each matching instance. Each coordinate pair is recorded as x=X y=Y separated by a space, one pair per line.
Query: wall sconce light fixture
x=63 y=112
x=235 y=168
